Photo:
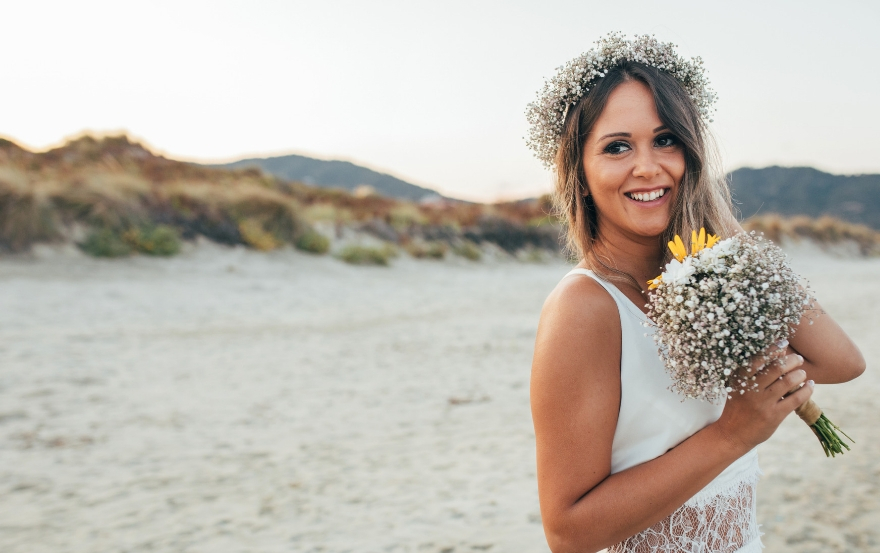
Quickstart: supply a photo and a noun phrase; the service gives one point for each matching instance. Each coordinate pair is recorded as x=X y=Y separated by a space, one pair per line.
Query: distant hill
x=807 y=191
x=335 y=174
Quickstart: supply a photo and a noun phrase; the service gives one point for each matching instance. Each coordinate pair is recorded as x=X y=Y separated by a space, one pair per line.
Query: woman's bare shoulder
x=579 y=333
x=578 y=300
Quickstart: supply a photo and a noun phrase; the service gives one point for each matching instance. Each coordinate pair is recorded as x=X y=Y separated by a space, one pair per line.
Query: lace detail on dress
x=723 y=522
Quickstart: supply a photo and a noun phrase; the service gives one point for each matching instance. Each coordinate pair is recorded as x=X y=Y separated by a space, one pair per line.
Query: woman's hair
x=703 y=198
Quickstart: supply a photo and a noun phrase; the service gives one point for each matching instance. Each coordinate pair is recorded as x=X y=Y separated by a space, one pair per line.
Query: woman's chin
x=651 y=230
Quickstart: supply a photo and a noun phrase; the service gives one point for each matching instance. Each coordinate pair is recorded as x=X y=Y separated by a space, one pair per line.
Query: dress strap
x=624 y=304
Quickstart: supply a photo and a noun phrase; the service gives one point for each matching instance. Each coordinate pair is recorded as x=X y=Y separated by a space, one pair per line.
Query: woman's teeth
x=647 y=196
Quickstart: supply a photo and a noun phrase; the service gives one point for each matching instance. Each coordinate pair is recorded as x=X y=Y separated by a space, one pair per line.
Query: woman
x=623 y=462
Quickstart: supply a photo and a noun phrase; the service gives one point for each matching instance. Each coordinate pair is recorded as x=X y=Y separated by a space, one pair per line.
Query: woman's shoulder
x=579 y=298
x=579 y=326
x=577 y=352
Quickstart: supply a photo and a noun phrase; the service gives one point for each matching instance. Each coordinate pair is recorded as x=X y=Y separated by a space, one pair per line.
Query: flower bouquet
x=719 y=306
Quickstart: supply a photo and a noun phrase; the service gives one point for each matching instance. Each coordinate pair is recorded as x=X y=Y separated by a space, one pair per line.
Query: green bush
x=313 y=241
x=430 y=250
x=150 y=240
x=362 y=255
x=105 y=242
x=153 y=240
x=468 y=250
x=255 y=235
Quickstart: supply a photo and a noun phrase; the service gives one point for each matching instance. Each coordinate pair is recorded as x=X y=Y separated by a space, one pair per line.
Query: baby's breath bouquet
x=719 y=306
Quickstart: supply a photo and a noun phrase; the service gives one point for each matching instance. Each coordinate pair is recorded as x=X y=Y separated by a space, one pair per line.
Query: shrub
x=429 y=250
x=512 y=236
x=363 y=255
x=105 y=242
x=254 y=235
x=313 y=241
x=404 y=215
x=25 y=218
x=158 y=240
x=468 y=250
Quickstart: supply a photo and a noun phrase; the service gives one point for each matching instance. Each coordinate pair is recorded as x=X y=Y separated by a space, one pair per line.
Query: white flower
x=724 y=248
x=710 y=260
x=678 y=272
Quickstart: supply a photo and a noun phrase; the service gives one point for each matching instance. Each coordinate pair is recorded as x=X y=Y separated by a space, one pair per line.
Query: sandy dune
x=227 y=400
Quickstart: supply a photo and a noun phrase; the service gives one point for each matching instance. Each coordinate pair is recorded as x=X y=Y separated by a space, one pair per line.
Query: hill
x=114 y=197
x=806 y=191
x=333 y=174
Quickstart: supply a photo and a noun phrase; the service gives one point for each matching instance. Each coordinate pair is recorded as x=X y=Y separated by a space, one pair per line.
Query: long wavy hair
x=703 y=198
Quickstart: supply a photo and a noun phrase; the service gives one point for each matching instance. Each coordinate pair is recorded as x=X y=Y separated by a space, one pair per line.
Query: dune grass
x=427 y=250
x=367 y=255
x=826 y=231
x=467 y=250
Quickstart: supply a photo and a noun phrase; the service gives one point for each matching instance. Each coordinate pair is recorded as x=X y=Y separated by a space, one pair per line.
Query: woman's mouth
x=647 y=197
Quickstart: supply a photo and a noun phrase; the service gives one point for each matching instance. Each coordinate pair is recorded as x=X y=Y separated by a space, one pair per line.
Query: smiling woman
x=623 y=461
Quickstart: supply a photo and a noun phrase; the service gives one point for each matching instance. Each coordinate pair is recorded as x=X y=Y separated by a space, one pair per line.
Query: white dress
x=720 y=518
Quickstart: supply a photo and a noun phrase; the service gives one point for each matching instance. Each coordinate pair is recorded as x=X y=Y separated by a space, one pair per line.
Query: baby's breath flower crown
x=575 y=79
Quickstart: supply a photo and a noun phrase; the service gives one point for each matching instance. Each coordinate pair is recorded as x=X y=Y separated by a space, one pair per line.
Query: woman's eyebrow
x=628 y=135
x=624 y=134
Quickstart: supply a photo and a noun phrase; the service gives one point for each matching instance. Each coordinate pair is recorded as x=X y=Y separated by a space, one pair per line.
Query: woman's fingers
x=787 y=382
x=798 y=397
x=775 y=370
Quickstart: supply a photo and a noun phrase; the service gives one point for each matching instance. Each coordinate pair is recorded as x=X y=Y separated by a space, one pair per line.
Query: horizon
x=431 y=95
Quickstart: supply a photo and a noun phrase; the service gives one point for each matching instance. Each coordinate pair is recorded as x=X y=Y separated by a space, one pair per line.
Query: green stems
x=827 y=431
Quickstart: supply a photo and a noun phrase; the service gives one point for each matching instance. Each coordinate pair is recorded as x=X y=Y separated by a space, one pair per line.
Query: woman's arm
x=830 y=356
x=575 y=395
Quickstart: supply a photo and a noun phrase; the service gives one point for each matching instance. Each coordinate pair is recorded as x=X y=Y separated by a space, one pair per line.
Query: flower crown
x=575 y=79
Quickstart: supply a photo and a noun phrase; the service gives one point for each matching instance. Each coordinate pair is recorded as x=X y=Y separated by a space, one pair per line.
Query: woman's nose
x=646 y=165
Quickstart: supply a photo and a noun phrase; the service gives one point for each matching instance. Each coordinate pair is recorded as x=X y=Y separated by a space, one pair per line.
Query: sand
x=227 y=400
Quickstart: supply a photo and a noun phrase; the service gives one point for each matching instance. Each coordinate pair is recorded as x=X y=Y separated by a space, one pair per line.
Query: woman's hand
x=751 y=417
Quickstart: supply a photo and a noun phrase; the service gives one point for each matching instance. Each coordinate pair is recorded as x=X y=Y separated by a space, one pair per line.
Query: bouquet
x=719 y=306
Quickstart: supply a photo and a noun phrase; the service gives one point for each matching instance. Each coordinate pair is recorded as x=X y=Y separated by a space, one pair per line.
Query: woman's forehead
x=630 y=109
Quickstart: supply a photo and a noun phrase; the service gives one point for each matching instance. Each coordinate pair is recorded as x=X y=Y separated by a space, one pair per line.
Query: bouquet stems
x=823 y=428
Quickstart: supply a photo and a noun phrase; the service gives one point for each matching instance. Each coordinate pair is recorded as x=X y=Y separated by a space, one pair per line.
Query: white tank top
x=720 y=518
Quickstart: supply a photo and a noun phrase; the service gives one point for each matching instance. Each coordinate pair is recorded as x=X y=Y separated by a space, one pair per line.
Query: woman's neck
x=639 y=257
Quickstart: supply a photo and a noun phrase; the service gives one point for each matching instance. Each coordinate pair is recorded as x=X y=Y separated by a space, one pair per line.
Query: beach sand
x=227 y=400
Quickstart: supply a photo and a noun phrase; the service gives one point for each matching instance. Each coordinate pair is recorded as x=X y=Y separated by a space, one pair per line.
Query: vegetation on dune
x=824 y=230
x=467 y=250
x=313 y=242
x=367 y=255
x=133 y=201
x=427 y=250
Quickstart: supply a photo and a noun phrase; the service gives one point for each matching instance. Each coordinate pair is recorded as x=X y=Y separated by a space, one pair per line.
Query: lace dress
x=720 y=518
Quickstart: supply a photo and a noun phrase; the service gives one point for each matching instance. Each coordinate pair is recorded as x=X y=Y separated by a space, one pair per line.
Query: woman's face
x=633 y=164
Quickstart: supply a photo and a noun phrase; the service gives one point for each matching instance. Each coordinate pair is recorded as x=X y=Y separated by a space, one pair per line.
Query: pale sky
x=432 y=92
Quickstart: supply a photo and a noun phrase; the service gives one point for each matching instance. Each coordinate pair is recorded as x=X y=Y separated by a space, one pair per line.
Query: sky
x=431 y=92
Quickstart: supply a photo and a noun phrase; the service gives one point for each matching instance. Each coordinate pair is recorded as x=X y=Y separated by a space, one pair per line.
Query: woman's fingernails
x=782 y=344
x=810 y=383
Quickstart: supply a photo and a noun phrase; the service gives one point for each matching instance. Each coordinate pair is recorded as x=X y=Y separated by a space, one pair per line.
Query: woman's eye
x=617 y=148
x=665 y=141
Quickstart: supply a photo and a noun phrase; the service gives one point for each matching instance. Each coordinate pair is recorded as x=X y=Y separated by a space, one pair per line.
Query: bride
x=623 y=462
